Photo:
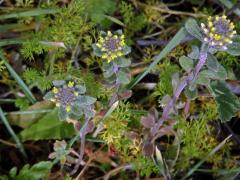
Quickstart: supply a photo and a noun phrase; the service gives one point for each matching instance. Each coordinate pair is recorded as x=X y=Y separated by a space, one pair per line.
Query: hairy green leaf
x=48 y=127
x=186 y=63
x=228 y=103
x=193 y=29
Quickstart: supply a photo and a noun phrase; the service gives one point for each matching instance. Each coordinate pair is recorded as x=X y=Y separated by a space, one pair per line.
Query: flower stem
x=191 y=77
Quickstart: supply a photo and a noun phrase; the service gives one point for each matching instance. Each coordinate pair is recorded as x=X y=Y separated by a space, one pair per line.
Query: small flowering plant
x=219 y=32
x=202 y=68
x=71 y=100
x=111 y=47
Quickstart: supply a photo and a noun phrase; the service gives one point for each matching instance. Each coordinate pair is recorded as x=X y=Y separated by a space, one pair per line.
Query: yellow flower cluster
x=111 y=46
x=64 y=96
x=218 y=31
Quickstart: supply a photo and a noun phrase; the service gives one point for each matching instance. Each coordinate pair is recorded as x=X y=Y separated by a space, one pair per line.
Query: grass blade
x=115 y=20
x=5 y=42
x=229 y=5
x=35 y=12
x=12 y=133
x=20 y=82
x=182 y=33
x=219 y=146
x=6 y=27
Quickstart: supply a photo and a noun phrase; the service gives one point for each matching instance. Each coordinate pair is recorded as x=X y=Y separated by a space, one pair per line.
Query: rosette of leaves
x=217 y=34
x=111 y=47
x=70 y=99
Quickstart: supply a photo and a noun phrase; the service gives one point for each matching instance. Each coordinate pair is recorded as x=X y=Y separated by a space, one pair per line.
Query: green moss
x=164 y=85
x=145 y=166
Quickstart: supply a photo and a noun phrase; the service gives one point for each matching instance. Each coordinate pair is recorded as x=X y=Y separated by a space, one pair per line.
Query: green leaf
x=98 y=8
x=6 y=27
x=58 y=83
x=85 y=100
x=228 y=103
x=220 y=74
x=48 y=127
x=11 y=132
x=35 y=12
x=62 y=114
x=115 y=20
x=48 y=96
x=37 y=171
x=13 y=172
x=230 y=5
x=212 y=63
x=122 y=62
x=20 y=82
x=81 y=89
x=191 y=94
x=193 y=29
x=195 y=53
x=203 y=79
x=234 y=48
x=97 y=51
x=176 y=40
x=123 y=77
x=186 y=63
x=6 y=42
x=32 y=114
x=126 y=50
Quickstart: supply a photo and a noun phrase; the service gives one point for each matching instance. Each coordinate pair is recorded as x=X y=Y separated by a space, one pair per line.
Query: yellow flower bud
x=109 y=33
x=76 y=93
x=68 y=108
x=70 y=84
x=53 y=100
x=55 y=90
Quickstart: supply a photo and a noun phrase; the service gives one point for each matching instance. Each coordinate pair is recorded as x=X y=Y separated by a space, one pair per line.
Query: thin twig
x=232 y=133
x=8 y=143
x=114 y=171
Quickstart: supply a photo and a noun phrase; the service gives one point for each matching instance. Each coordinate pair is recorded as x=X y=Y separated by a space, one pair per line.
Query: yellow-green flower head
x=65 y=96
x=111 y=46
x=218 y=31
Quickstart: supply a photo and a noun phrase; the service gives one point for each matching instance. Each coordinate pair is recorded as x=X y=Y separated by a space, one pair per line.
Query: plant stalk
x=191 y=77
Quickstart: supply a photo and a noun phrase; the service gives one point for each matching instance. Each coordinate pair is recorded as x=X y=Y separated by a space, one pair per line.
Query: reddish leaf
x=148 y=121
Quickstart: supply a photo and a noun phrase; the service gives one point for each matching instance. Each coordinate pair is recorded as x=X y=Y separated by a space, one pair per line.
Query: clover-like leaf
x=81 y=89
x=220 y=74
x=212 y=63
x=193 y=29
x=58 y=83
x=97 y=51
x=186 y=63
x=228 y=103
x=85 y=100
x=48 y=96
x=123 y=77
x=126 y=50
x=122 y=62
x=191 y=93
x=195 y=53
x=234 y=48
